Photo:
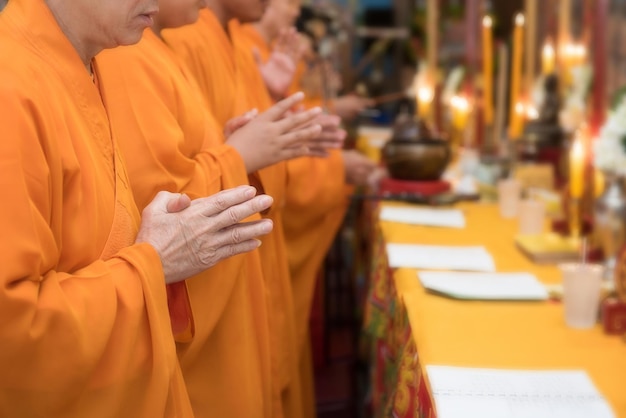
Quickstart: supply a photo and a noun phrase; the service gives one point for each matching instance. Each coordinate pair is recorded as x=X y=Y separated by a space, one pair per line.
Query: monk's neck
x=221 y=13
x=74 y=28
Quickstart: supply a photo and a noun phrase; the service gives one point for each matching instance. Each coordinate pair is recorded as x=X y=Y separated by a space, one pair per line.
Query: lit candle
x=488 y=70
x=516 y=72
x=530 y=44
x=548 y=59
x=517 y=120
x=532 y=113
x=460 y=112
x=424 y=98
x=576 y=168
x=432 y=19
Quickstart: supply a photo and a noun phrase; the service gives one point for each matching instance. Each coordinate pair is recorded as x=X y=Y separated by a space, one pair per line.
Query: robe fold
x=84 y=323
x=224 y=78
x=173 y=143
x=314 y=210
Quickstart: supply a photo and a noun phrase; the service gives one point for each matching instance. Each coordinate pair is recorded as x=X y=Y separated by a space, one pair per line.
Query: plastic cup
x=509 y=191
x=581 y=293
x=532 y=215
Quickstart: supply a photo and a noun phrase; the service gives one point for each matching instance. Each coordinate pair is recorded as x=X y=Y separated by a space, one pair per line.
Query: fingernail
x=250 y=192
x=265 y=200
x=258 y=242
x=298 y=95
x=316 y=110
x=267 y=227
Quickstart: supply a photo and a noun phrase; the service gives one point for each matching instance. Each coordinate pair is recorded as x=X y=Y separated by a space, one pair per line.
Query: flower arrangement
x=610 y=148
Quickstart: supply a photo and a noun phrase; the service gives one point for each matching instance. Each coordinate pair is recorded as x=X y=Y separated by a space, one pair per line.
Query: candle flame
x=548 y=50
x=425 y=94
x=519 y=19
x=532 y=113
x=578 y=150
x=459 y=103
x=487 y=21
x=519 y=108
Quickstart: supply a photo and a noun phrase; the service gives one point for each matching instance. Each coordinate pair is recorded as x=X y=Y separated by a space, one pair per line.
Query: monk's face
x=245 y=11
x=176 y=13
x=109 y=23
x=281 y=14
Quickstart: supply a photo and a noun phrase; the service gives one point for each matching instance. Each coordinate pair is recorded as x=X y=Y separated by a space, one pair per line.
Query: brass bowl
x=417 y=160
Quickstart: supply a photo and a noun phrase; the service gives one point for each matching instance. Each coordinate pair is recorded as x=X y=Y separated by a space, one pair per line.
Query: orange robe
x=314 y=210
x=84 y=323
x=173 y=143
x=224 y=79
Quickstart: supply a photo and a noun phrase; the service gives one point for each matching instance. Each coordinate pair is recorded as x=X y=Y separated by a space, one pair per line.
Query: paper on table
x=484 y=286
x=486 y=393
x=440 y=257
x=424 y=216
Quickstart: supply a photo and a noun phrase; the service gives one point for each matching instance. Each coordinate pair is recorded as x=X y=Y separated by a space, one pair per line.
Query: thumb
x=177 y=203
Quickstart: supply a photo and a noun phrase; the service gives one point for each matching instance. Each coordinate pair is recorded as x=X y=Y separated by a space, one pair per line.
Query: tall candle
x=516 y=72
x=516 y=125
x=576 y=168
x=424 y=99
x=503 y=71
x=488 y=70
x=530 y=44
x=548 y=59
x=432 y=19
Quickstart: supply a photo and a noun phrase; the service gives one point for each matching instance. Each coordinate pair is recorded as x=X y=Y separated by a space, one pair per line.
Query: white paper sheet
x=452 y=218
x=486 y=393
x=440 y=257
x=484 y=286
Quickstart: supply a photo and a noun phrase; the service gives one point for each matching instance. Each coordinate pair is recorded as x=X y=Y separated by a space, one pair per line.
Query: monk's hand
x=358 y=167
x=277 y=72
x=331 y=137
x=190 y=239
x=349 y=106
x=239 y=121
x=276 y=134
x=289 y=43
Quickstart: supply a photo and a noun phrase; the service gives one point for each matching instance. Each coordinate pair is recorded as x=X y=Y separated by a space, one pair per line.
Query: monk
x=316 y=202
x=177 y=145
x=84 y=321
x=210 y=54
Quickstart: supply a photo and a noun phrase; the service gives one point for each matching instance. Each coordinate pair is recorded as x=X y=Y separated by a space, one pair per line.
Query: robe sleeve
x=69 y=325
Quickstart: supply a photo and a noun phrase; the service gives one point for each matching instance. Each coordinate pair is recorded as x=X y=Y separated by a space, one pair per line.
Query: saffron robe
x=224 y=80
x=173 y=143
x=84 y=323
x=314 y=210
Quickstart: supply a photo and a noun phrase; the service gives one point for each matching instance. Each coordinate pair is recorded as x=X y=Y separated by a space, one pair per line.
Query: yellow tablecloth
x=512 y=335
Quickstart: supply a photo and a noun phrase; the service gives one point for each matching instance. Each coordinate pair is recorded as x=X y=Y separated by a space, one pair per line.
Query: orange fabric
x=314 y=210
x=172 y=143
x=231 y=87
x=515 y=335
x=84 y=326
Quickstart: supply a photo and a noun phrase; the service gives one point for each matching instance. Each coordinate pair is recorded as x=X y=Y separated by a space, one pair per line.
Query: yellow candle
x=576 y=169
x=517 y=121
x=488 y=70
x=516 y=72
x=424 y=98
x=548 y=59
x=460 y=112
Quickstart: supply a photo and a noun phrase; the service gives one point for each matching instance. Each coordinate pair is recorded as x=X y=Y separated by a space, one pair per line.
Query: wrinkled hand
x=358 y=167
x=239 y=121
x=331 y=137
x=349 y=106
x=276 y=135
x=191 y=236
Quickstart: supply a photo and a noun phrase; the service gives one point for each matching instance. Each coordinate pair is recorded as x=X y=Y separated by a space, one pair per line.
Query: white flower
x=609 y=154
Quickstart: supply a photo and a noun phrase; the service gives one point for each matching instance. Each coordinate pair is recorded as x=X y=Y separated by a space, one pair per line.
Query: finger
x=301 y=135
x=238 y=212
x=161 y=201
x=231 y=250
x=178 y=203
x=318 y=152
x=297 y=120
x=278 y=110
x=294 y=152
x=222 y=200
x=328 y=121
